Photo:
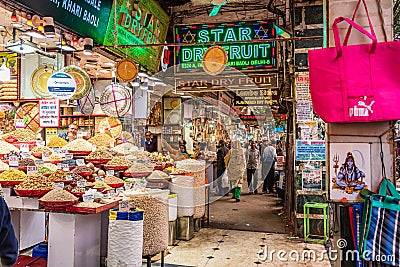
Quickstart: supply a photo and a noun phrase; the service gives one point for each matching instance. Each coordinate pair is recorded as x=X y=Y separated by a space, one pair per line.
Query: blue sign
x=61 y=85
x=310 y=150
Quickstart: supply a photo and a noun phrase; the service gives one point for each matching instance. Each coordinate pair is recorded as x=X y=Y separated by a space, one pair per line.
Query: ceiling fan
x=217 y=6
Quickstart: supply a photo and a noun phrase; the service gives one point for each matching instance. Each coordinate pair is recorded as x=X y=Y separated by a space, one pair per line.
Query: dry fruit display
x=35 y=182
x=57 y=141
x=58 y=176
x=102 y=139
x=12 y=175
x=6 y=148
x=44 y=170
x=21 y=135
x=99 y=154
x=58 y=195
x=78 y=145
x=119 y=161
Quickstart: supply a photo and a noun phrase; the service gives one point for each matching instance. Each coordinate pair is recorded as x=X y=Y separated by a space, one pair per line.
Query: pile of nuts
x=41 y=149
x=12 y=154
x=139 y=167
x=44 y=170
x=155 y=222
x=35 y=182
x=110 y=179
x=119 y=161
x=78 y=145
x=58 y=176
x=4 y=166
x=58 y=195
x=102 y=139
x=26 y=162
x=6 y=148
x=99 y=154
x=79 y=169
x=22 y=135
x=12 y=175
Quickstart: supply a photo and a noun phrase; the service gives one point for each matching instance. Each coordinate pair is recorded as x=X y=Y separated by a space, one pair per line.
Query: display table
x=74 y=238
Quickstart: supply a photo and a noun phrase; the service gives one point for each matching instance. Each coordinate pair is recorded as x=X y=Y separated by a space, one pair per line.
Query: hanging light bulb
x=48 y=27
x=29 y=21
x=40 y=27
x=88 y=46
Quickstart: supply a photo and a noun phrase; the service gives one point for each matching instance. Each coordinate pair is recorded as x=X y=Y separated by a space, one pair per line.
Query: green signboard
x=88 y=18
x=138 y=23
x=243 y=54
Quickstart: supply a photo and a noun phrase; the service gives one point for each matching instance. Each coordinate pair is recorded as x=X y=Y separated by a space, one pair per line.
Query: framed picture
x=350 y=170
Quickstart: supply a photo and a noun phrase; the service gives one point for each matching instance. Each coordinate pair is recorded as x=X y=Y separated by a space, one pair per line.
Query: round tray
x=116 y=168
x=10 y=183
x=37 y=155
x=117 y=185
x=77 y=194
x=136 y=174
x=57 y=205
x=79 y=153
x=98 y=161
x=159 y=167
x=82 y=80
x=87 y=173
x=39 y=81
x=31 y=193
x=126 y=70
x=56 y=161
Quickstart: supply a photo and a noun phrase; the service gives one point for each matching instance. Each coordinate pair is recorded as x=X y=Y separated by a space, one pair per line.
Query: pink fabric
x=356 y=83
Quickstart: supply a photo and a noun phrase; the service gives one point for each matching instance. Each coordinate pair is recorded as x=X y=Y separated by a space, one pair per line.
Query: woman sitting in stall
x=198 y=153
x=177 y=154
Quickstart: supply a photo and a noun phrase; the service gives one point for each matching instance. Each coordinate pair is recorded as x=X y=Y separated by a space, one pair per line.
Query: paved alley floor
x=232 y=248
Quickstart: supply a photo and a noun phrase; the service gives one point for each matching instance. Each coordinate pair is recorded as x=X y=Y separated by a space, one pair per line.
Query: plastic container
x=172 y=207
x=41 y=250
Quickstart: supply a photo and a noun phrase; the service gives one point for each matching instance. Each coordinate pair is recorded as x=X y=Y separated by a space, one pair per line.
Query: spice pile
x=57 y=142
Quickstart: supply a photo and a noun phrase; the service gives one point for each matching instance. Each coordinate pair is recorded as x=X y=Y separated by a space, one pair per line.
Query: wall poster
x=350 y=170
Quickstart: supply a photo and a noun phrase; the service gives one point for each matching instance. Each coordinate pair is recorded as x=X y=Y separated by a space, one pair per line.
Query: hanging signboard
x=138 y=23
x=244 y=55
x=310 y=150
x=49 y=113
x=88 y=18
x=61 y=85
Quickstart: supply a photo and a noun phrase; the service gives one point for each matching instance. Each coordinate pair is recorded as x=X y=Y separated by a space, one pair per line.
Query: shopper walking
x=221 y=167
x=8 y=240
x=268 y=160
x=253 y=157
x=236 y=164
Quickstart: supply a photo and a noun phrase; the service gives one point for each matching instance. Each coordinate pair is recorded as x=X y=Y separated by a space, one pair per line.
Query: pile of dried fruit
x=35 y=182
x=102 y=139
x=99 y=154
x=6 y=148
x=78 y=145
x=12 y=175
x=110 y=179
x=58 y=176
x=26 y=162
x=41 y=149
x=57 y=142
x=119 y=161
x=22 y=135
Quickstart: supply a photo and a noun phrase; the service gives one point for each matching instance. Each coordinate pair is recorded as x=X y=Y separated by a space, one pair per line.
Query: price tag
x=80 y=162
x=26 y=155
x=65 y=167
x=39 y=162
x=112 y=193
x=110 y=172
x=102 y=130
x=94 y=148
x=119 y=190
x=13 y=161
x=63 y=153
x=100 y=179
x=81 y=183
x=59 y=185
x=107 y=195
x=69 y=177
x=112 y=144
x=46 y=156
x=1 y=134
x=124 y=205
x=31 y=170
x=69 y=156
x=24 y=147
x=59 y=166
x=19 y=123
x=88 y=198
x=127 y=185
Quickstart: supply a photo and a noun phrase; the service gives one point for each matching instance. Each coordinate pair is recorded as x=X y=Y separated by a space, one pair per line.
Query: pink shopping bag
x=356 y=83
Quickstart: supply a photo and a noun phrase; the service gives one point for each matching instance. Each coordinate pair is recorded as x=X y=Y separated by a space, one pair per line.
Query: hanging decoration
x=214 y=60
x=126 y=70
x=82 y=80
x=39 y=80
x=86 y=104
x=115 y=100
x=29 y=112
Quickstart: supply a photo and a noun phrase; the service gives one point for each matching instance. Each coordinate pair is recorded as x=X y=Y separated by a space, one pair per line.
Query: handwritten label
x=19 y=123
x=119 y=190
x=94 y=148
x=112 y=144
x=127 y=185
x=59 y=166
x=80 y=162
x=13 y=161
x=124 y=205
x=46 y=156
x=24 y=147
x=31 y=170
x=88 y=198
x=81 y=183
x=63 y=153
x=65 y=167
x=40 y=143
x=59 y=185
x=39 y=162
x=100 y=179
x=26 y=155
x=112 y=193
x=110 y=172
x=69 y=156
x=106 y=195
x=69 y=177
